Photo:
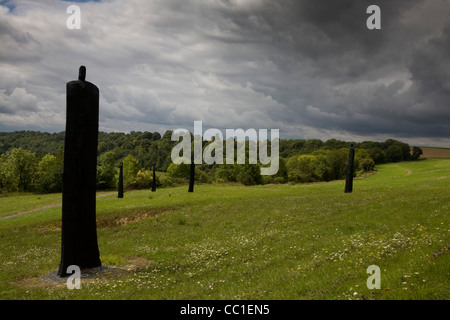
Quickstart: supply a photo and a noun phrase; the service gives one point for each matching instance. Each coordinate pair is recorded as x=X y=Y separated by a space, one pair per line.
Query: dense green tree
x=322 y=170
x=394 y=153
x=377 y=154
x=131 y=167
x=304 y=168
x=5 y=176
x=143 y=180
x=312 y=145
x=396 y=150
x=281 y=176
x=337 y=162
x=147 y=135
x=291 y=147
x=180 y=171
x=156 y=136
x=334 y=144
x=106 y=172
x=20 y=169
x=248 y=174
x=366 y=165
x=370 y=145
x=226 y=173
x=49 y=174
x=416 y=153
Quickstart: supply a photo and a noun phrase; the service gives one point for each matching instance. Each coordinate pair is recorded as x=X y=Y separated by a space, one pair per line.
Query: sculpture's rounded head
x=82 y=74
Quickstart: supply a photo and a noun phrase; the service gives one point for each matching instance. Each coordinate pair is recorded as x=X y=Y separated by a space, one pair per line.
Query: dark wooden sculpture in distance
x=349 y=171
x=154 y=168
x=79 y=230
x=191 y=174
x=154 y=180
x=120 y=186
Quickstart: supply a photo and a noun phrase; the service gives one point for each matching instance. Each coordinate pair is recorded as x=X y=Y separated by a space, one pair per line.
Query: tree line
x=32 y=161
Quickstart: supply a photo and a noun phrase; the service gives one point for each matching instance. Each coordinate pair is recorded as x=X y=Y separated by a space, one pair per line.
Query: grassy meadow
x=304 y=241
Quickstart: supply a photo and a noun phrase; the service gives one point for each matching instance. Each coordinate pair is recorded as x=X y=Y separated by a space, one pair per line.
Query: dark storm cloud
x=359 y=80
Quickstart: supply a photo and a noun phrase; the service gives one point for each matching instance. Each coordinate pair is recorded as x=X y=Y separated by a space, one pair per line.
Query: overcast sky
x=311 y=69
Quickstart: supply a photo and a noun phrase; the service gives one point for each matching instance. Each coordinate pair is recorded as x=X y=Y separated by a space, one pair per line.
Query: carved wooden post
x=120 y=186
x=79 y=230
x=154 y=180
x=191 y=174
x=349 y=171
x=154 y=173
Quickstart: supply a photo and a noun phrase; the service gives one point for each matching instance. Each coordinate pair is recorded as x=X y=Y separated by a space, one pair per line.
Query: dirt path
x=46 y=207
x=408 y=171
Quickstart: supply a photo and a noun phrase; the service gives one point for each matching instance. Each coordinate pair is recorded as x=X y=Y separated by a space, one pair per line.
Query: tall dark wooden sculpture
x=191 y=174
x=349 y=171
x=79 y=230
x=120 y=186
x=154 y=180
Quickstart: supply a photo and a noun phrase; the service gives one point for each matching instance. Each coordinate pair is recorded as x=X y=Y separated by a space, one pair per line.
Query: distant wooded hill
x=150 y=148
x=33 y=161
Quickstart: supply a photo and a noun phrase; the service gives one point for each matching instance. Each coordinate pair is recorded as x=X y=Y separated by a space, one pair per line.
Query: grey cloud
x=305 y=67
x=18 y=101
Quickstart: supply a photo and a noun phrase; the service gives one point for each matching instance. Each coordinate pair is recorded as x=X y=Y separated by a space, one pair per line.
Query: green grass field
x=305 y=241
